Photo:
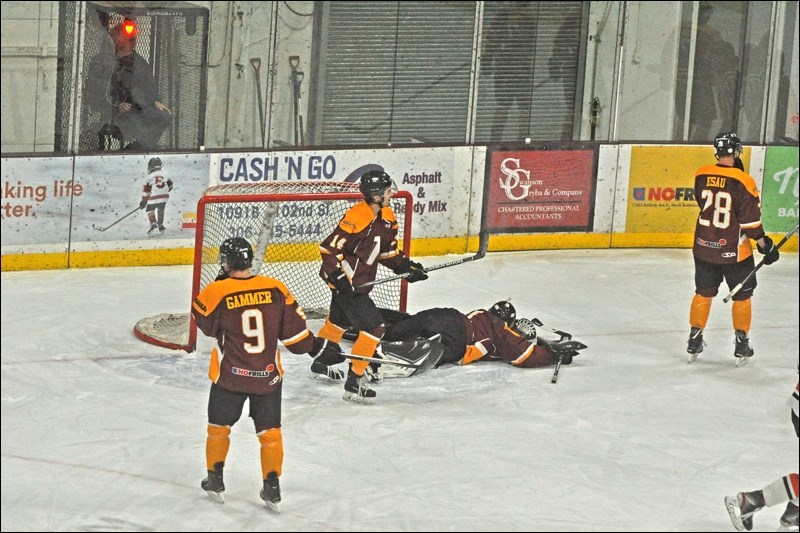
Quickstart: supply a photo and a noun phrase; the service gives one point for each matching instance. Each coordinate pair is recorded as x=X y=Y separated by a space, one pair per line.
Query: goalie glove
x=771 y=254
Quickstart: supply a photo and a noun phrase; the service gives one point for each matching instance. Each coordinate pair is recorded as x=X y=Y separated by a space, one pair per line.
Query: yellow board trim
x=419 y=247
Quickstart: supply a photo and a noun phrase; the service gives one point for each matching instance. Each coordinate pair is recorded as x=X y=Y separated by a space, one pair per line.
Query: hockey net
x=285 y=223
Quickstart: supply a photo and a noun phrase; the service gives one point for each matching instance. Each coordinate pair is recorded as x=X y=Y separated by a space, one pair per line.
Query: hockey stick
x=120 y=219
x=759 y=265
x=564 y=337
x=383 y=361
x=483 y=246
x=563 y=334
x=556 y=369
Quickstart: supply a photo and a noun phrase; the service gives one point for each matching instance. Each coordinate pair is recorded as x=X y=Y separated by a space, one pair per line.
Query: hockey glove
x=417 y=272
x=340 y=282
x=771 y=254
x=142 y=204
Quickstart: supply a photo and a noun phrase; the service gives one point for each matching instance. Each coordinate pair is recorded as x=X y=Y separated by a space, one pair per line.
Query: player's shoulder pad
x=387 y=213
x=357 y=218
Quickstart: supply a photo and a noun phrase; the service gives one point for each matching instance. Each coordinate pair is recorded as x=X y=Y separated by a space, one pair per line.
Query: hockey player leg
x=271 y=466
x=161 y=227
x=698 y=318
x=741 y=314
x=354 y=388
x=217 y=445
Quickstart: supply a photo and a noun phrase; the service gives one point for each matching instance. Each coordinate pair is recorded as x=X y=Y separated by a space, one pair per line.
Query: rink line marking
x=94 y=468
x=326 y=526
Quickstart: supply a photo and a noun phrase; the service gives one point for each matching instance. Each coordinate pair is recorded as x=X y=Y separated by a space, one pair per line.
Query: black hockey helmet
x=374 y=183
x=726 y=144
x=237 y=253
x=154 y=164
x=505 y=312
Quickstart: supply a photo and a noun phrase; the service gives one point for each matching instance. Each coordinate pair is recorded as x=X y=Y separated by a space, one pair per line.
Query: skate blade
x=741 y=361
x=355 y=398
x=692 y=357
x=733 y=507
x=218 y=497
x=323 y=378
x=273 y=507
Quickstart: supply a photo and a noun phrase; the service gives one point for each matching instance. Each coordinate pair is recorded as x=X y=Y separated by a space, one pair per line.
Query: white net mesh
x=285 y=222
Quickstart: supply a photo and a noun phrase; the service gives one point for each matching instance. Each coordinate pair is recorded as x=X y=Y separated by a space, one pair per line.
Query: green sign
x=779 y=207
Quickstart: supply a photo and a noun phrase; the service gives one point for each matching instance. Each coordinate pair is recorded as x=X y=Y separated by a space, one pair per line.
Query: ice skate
x=214 y=485
x=743 y=351
x=323 y=372
x=356 y=391
x=789 y=518
x=374 y=372
x=695 y=345
x=271 y=492
x=741 y=508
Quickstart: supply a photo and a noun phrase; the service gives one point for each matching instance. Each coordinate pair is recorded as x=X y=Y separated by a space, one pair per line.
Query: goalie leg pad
x=425 y=353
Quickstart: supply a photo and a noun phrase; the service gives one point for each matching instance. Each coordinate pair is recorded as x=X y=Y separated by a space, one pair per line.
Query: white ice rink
x=101 y=432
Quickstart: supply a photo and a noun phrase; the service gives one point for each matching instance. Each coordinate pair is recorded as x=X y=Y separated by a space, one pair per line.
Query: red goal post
x=285 y=223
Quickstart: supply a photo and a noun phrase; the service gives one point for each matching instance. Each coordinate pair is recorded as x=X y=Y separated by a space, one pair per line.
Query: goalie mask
x=236 y=253
x=375 y=183
x=505 y=312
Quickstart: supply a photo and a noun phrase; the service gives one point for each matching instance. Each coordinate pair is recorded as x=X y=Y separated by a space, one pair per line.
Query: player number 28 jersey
x=730 y=214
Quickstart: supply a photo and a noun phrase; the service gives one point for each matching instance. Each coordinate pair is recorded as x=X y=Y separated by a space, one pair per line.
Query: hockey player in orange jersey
x=247 y=315
x=730 y=216
x=365 y=237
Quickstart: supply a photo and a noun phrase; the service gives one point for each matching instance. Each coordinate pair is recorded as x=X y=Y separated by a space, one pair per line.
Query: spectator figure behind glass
x=715 y=79
x=509 y=43
x=138 y=113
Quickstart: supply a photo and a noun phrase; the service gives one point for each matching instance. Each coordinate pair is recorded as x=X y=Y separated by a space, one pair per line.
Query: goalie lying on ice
x=484 y=335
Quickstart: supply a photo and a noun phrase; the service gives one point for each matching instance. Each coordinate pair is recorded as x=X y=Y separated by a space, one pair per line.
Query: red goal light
x=129 y=29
